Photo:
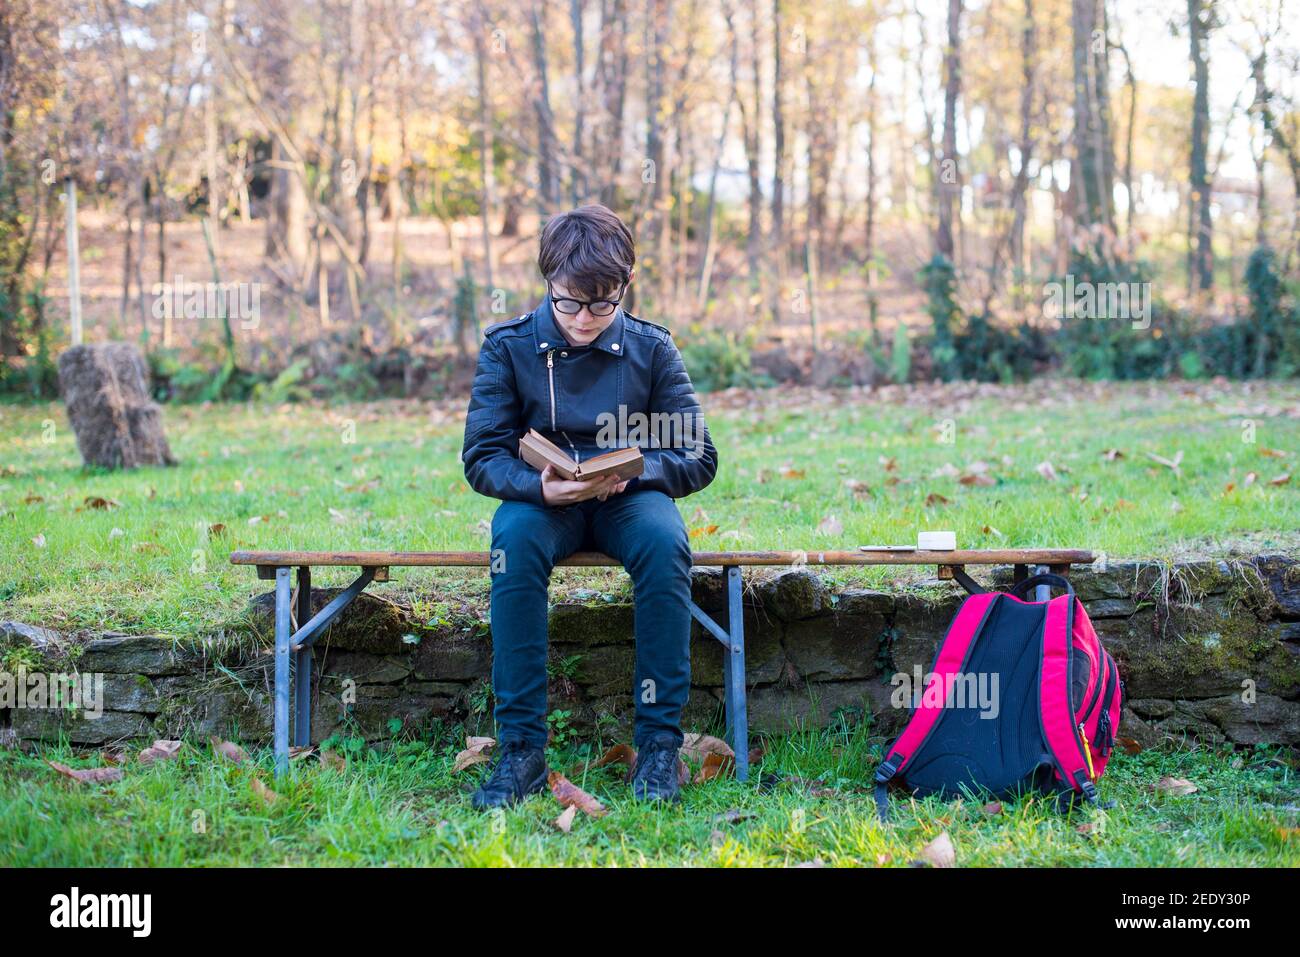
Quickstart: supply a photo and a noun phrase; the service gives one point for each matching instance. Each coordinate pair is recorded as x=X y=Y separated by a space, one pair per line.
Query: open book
x=539 y=452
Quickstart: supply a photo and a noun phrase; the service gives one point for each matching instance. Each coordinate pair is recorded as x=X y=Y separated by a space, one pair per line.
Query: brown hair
x=589 y=250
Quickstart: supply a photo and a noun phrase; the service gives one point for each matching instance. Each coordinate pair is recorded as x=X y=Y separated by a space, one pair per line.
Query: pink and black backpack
x=1021 y=697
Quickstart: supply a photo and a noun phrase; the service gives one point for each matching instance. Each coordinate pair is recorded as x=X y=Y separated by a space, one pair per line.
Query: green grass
x=387 y=476
x=404 y=806
x=800 y=469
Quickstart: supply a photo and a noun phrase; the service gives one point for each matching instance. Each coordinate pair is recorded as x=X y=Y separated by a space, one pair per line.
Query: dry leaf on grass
x=475 y=752
x=1046 y=470
x=715 y=765
x=229 y=750
x=87 y=775
x=565 y=821
x=830 y=525
x=268 y=796
x=570 y=795
x=332 y=759
x=992 y=809
x=1178 y=786
x=938 y=853
x=623 y=754
x=160 y=751
x=1129 y=746
x=1171 y=464
x=696 y=746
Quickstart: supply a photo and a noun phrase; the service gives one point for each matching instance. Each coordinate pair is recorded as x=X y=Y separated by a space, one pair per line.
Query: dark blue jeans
x=643 y=530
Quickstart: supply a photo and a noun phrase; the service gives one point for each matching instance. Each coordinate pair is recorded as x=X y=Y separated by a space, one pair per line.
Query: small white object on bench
x=936 y=541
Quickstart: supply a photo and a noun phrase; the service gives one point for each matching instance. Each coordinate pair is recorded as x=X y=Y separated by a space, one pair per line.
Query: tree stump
x=105 y=389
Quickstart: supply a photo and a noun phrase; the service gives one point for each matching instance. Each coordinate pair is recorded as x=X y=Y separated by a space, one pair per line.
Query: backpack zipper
x=1087 y=752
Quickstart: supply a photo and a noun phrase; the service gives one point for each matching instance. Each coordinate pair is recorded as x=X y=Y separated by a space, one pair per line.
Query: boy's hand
x=557 y=491
x=614 y=491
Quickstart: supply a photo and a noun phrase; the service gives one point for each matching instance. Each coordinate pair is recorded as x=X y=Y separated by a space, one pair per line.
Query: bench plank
x=1002 y=556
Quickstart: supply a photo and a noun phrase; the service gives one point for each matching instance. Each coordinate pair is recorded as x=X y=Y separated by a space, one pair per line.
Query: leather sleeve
x=692 y=464
x=492 y=429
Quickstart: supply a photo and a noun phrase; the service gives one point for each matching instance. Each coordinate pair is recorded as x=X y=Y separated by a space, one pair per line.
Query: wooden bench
x=293 y=649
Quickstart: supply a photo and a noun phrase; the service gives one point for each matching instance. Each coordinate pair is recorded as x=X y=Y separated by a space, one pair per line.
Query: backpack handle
x=1056 y=581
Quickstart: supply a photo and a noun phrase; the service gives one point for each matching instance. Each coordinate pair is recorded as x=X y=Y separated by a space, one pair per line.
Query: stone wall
x=1208 y=650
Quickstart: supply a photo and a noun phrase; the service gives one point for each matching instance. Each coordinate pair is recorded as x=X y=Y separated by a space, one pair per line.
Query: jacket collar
x=547 y=334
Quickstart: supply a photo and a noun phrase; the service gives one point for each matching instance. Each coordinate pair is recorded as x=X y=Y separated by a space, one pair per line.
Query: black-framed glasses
x=597 y=307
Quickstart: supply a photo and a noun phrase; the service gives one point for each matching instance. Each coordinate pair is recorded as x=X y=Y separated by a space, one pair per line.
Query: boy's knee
x=520 y=539
x=662 y=548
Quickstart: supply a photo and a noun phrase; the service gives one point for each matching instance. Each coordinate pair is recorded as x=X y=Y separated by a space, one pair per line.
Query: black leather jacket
x=587 y=400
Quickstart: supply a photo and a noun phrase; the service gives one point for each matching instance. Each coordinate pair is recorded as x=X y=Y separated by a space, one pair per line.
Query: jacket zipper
x=550 y=378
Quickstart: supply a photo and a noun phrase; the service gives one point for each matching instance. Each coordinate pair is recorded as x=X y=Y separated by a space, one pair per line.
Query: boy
x=574 y=368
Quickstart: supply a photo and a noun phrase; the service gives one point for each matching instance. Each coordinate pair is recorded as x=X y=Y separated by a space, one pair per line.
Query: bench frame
x=293 y=649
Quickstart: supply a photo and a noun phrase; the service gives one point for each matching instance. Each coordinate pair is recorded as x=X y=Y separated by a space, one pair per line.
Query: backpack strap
x=1055 y=711
x=954 y=652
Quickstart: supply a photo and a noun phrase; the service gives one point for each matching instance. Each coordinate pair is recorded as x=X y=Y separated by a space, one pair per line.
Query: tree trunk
x=1200 y=250
x=949 y=187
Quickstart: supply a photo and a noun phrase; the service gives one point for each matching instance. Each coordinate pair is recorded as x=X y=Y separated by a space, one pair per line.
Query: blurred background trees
x=834 y=191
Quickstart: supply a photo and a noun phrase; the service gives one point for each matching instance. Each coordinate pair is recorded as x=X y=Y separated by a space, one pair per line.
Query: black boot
x=520 y=771
x=656 y=770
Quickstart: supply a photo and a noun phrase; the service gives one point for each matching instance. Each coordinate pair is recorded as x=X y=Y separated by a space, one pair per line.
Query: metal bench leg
x=283 y=634
x=733 y=675
x=1042 y=592
x=302 y=666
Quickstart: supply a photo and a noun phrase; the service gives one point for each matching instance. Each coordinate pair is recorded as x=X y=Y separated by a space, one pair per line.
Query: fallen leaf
x=1110 y=455
x=39 y=541
x=229 y=750
x=715 y=765
x=696 y=747
x=1280 y=480
x=1178 y=786
x=88 y=775
x=97 y=501
x=992 y=809
x=934 y=498
x=990 y=530
x=978 y=479
x=1249 y=480
x=1172 y=464
x=1272 y=453
x=789 y=473
x=216 y=530
x=1046 y=470
x=830 y=525
x=160 y=751
x=1129 y=746
x=938 y=853
x=333 y=760
x=569 y=794
x=859 y=488
x=703 y=530
x=33 y=499
x=265 y=793
x=623 y=754
x=1087 y=827
x=472 y=756
x=565 y=821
